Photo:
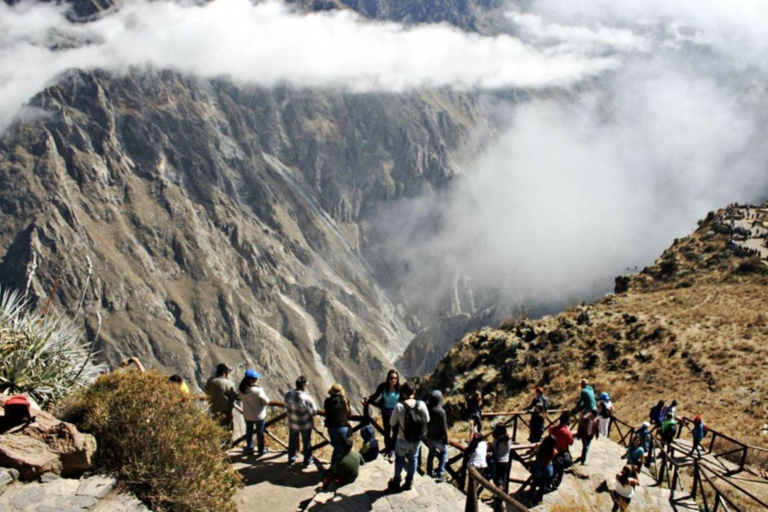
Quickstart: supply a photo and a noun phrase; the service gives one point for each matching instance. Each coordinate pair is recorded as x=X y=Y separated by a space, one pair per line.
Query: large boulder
x=46 y=445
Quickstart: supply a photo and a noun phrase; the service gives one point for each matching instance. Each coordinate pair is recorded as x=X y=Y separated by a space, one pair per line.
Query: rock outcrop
x=46 y=445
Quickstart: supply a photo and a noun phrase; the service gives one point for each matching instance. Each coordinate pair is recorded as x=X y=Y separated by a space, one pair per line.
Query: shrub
x=44 y=356
x=752 y=266
x=155 y=441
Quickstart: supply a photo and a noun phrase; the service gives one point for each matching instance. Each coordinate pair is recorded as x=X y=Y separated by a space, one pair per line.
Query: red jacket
x=563 y=437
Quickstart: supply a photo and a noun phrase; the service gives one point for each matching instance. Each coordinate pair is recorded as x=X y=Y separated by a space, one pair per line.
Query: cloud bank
x=268 y=44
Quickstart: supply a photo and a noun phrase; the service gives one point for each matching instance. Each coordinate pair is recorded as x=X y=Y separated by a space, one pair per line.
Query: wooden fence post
x=472 y=496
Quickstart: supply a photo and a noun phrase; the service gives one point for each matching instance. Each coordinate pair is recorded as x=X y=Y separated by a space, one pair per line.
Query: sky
x=661 y=117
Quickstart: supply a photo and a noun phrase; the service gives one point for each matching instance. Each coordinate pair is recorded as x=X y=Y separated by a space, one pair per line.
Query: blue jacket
x=698 y=432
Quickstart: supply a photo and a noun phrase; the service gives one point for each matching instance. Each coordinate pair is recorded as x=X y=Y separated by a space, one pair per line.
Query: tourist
x=635 y=453
x=698 y=432
x=538 y=399
x=668 y=429
x=671 y=409
x=657 y=414
x=301 y=410
x=413 y=414
x=542 y=470
x=605 y=412
x=255 y=402
x=222 y=395
x=176 y=379
x=387 y=396
x=337 y=413
x=477 y=451
x=586 y=432
x=563 y=441
x=644 y=434
x=475 y=410
x=437 y=436
x=347 y=468
x=624 y=490
x=587 y=400
x=370 y=448
x=502 y=446
x=537 y=424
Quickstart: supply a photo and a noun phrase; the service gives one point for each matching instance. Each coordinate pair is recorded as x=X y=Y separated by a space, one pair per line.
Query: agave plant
x=44 y=355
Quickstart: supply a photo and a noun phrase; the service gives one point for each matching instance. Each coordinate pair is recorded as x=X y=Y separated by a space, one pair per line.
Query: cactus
x=43 y=355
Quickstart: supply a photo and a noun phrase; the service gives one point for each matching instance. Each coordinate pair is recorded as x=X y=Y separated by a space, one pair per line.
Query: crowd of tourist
x=408 y=422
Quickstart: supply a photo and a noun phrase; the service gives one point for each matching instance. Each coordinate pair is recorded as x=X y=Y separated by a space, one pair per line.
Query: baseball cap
x=252 y=374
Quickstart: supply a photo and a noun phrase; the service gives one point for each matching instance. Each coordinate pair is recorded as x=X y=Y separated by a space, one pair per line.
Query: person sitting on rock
x=624 y=489
x=370 y=449
x=222 y=395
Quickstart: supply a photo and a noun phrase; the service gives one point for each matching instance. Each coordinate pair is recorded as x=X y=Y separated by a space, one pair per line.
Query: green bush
x=155 y=441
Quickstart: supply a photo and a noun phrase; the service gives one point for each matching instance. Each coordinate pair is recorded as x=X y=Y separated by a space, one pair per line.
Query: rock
x=96 y=486
x=46 y=445
x=583 y=318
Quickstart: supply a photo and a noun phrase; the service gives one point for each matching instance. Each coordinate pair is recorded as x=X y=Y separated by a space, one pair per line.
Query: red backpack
x=18 y=410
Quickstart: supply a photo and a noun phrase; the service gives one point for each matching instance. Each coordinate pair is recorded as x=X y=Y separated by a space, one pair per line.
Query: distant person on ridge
x=301 y=410
x=387 y=396
x=411 y=417
x=222 y=394
x=587 y=400
x=437 y=436
x=255 y=402
x=604 y=414
x=337 y=413
x=563 y=442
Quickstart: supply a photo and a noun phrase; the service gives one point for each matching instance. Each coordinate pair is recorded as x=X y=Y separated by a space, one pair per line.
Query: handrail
x=727 y=480
x=501 y=496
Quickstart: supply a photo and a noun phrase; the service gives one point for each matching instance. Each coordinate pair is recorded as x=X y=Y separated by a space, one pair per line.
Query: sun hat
x=336 y=389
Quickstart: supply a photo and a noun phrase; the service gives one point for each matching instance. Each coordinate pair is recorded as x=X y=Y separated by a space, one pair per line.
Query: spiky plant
x=44 y=355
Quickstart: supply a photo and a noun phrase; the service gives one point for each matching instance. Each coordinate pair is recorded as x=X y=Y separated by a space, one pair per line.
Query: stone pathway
x=55 y=494
x=369 y=492
x=583 y=485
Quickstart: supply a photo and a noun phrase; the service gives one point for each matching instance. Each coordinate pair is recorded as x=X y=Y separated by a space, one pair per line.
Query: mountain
x=690 y=327
x=224 y=222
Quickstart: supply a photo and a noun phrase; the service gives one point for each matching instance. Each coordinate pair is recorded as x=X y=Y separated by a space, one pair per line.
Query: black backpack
x=415 y=424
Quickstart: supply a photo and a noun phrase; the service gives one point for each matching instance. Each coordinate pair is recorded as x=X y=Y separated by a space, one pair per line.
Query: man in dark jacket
x=437 y=435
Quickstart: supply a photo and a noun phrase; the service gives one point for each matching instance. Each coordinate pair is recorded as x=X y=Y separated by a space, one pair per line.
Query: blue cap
x=252 y=374
x=605 y=396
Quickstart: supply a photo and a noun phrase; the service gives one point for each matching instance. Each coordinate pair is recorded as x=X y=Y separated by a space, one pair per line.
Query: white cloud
x=267 y=44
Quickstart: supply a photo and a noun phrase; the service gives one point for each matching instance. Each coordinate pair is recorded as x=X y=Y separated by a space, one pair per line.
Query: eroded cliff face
x=224 y=222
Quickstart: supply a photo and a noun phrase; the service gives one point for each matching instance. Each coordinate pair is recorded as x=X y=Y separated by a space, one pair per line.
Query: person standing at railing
x=255 y=402
x=644 y=434
x=668 y=429
x=635 y=453
x=301 y=410
x=563 y=442
x=587 y=400
x=337 y=413
x=437 y=436
x=387 y=396
x=671 y=409
x=699 y=431
x=604 y=413
x=412 y=418
x=222 y=395
x=537 y=424
x=657 y=414
x=502 y=445
x=538 y=399
x=475 y=410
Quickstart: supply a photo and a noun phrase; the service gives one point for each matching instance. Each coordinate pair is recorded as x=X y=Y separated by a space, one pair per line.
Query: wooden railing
x=502 y=500
x=737 y=455
x=711 y=494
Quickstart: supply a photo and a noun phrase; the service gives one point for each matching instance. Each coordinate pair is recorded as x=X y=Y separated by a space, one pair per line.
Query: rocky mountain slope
x=690 y=327
x=224 y=222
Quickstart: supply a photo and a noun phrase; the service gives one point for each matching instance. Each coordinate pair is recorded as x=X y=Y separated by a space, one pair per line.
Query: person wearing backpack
x=668 y=429
x=538 y=399
x=437 y=436
x=255 y=402
x=563 y=441
x=699 y=432
x=586 y=432
x=411 y=417
x=337 y=413
x=657 y=414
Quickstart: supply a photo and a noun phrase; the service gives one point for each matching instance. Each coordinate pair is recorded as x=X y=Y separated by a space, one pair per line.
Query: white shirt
x=478 y=457
x=398 y=415
x=254 y=404
x=627 y=491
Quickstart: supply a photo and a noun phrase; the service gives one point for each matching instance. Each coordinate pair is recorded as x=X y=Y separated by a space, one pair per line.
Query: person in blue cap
x=255 y=402
x=604 y=414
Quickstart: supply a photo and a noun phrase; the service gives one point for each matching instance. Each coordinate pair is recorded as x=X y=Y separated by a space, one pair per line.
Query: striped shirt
x=300 y=409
